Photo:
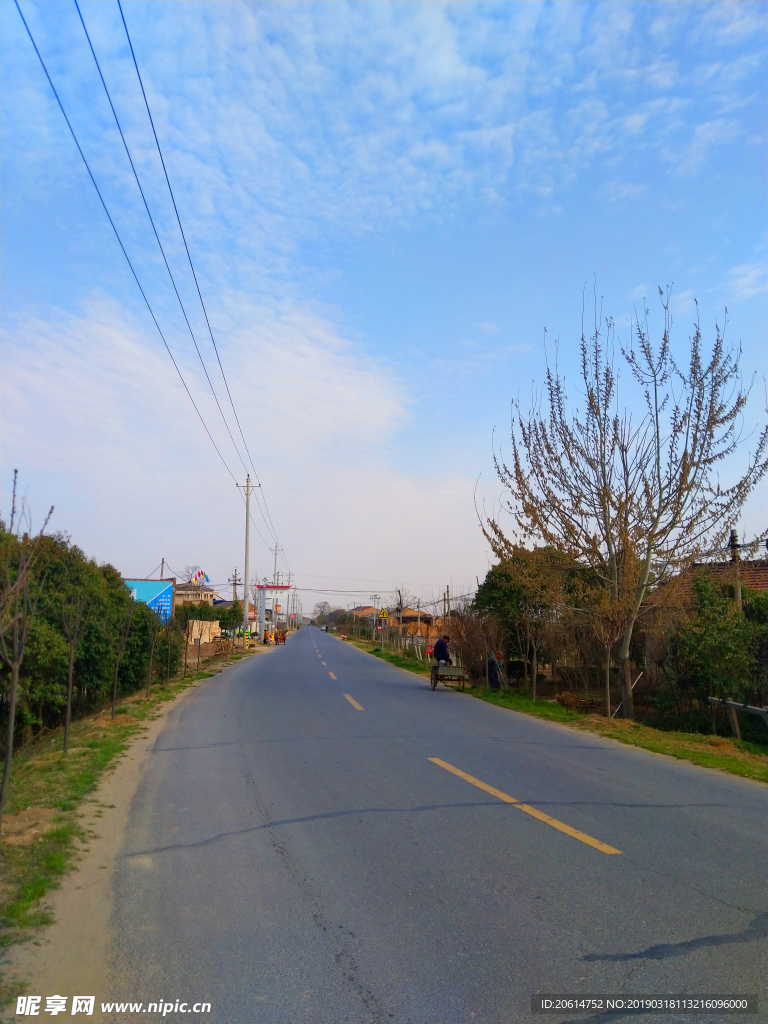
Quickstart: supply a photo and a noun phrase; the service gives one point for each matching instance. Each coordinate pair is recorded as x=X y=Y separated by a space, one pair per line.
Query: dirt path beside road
x=72 y=955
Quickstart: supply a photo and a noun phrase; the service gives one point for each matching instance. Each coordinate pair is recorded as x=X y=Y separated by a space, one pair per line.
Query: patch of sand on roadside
x=27 y=826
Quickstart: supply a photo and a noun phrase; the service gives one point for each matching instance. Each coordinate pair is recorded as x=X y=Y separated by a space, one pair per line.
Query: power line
x=269 y=525
x=170 y=273
x=120 y=241
x=157 y=236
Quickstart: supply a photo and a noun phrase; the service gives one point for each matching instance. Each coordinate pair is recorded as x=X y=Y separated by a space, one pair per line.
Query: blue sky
x=387 y=204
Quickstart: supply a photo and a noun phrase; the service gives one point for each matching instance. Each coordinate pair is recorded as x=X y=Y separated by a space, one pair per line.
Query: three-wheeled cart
x=448 y=674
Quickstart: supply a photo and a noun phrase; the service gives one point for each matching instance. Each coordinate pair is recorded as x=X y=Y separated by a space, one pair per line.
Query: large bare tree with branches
x=634 y=494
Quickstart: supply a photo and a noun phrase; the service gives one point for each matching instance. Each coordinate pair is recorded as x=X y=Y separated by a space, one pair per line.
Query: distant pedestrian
x=494 y=672
x=441 y=654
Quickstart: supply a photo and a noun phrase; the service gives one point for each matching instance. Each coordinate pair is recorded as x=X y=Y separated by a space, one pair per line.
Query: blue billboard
x=157 y=594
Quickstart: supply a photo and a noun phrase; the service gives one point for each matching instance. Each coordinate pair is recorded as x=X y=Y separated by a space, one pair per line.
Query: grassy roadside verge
x=736 y=757
x=398 y=660
x=42 y=833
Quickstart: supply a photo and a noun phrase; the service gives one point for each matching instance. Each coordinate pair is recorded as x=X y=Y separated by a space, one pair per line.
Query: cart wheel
x=433 y=678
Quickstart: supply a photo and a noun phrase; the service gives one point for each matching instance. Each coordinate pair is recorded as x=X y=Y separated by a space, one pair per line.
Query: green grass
x=398 y=660
x=521 y=702
x=736 y=757
x=30 y=872
x=44 y=780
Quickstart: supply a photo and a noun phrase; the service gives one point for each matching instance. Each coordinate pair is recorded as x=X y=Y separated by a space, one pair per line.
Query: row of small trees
x=71 y=637
x=692 y=641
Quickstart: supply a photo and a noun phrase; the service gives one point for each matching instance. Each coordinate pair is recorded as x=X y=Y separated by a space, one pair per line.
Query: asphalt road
x=291 y=858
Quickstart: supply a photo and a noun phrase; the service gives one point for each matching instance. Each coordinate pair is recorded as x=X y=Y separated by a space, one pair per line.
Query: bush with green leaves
x=65 y=572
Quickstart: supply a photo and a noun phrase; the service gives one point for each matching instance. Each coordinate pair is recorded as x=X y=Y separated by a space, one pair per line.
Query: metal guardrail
x=762 y=712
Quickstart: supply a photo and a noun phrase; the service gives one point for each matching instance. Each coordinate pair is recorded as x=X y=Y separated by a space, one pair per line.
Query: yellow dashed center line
x=352 y=701
x=540 y=815
x=331 y=675
x=323 y=663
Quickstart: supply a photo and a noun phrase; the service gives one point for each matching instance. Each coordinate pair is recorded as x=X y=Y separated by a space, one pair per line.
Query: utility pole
x=375 y=599
x=235 y=584
x=276 y=550
x=734 y=546
x=247 y=555
x=162 y=569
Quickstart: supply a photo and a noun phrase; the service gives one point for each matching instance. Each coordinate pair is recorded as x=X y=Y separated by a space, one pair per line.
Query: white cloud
x=97 y=418
x=487 y=327
x=689 y=156
x=616 y=191
x=748 y=280
x=282 y=121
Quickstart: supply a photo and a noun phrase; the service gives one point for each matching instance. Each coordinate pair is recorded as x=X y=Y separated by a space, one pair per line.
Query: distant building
x=202 y=632
x=193 y=593
x=413 y=620
x=753 y=574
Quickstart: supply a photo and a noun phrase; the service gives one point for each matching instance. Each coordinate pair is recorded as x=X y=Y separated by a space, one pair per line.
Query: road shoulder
x=71 y=955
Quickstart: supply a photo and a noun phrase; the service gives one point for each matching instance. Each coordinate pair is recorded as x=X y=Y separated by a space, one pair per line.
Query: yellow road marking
x=331 y=675
x=352 y=701
x=559 y=825
x=324 y=664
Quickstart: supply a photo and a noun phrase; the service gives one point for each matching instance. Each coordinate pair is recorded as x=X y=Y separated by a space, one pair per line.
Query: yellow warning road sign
x=383 y=614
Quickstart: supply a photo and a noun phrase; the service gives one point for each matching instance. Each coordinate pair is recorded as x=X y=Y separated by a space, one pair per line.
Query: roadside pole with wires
x=247 y=557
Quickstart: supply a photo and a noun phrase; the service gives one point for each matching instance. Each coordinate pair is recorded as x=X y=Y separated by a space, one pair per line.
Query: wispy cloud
x=284 y=121
x=617 y=191
x=748 y=280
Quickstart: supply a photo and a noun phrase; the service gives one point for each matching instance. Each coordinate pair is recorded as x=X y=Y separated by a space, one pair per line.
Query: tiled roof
x=753 y=574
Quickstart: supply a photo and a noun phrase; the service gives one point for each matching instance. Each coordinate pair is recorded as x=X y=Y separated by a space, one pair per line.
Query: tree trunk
x=11 y=729
x=608 y=683
x=151 y=662
x=114 y=688
x=535 y=672
x=627 y=699
x=68 y=714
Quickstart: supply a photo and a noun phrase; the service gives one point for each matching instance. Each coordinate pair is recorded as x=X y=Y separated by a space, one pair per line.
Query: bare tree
x=321 y=610
x=20 y=563
x=608 y=622
x=634 y=499
x=74 y=616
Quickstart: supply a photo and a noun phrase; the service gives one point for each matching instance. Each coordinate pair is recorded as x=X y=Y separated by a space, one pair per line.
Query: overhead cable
x=270 y=525
x=157 y=236
x=120 y=242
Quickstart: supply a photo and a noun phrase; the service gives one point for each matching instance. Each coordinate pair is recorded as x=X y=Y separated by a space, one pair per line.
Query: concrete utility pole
x=262 y=607
x=162 y=569
x=734 y=546
x=247 y=555
x=235 y=584
x=276 y=549
x=375 y=599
